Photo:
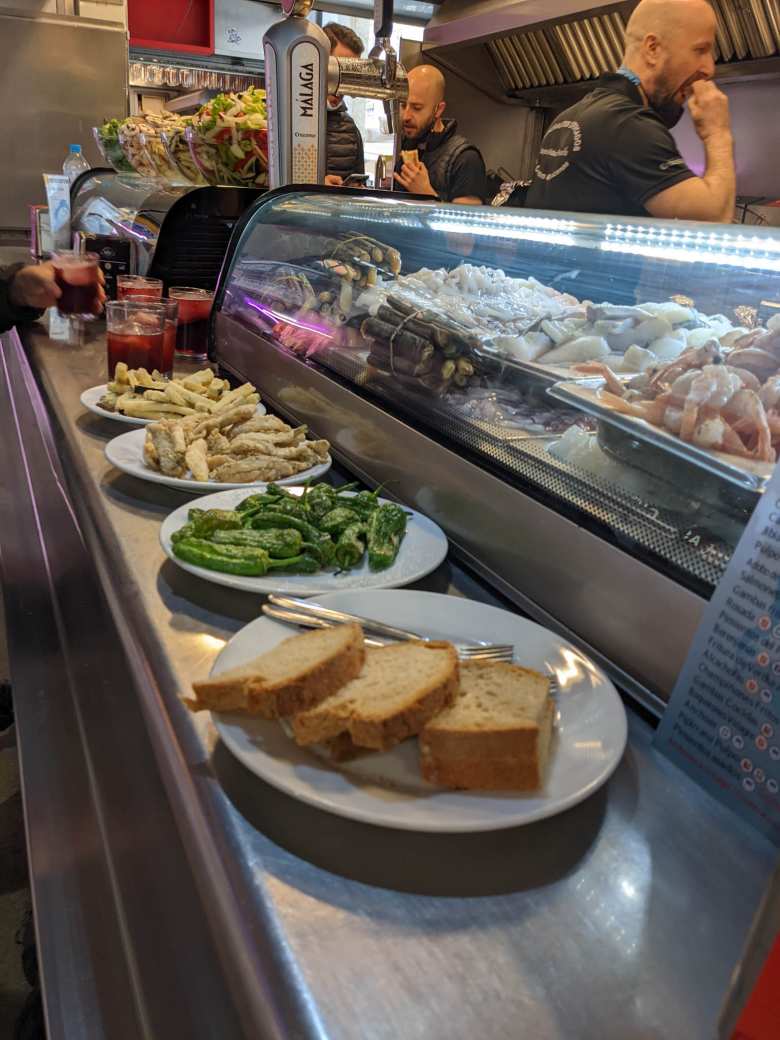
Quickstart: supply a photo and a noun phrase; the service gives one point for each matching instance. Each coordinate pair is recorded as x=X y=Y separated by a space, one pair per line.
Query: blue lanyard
x=630 y=76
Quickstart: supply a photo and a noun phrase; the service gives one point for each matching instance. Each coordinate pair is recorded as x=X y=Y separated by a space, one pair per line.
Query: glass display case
x=590 y=407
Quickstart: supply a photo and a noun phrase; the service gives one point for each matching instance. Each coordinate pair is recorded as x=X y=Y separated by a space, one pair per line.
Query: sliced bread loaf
x=496 y=735
x=295 y=675
x=400 y=688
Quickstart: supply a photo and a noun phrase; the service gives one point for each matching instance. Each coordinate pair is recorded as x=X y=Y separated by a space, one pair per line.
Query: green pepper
x=230 y=559
x=291 y=507
x=364 y=503
x=184 y=532
x=212 y=520
x=319 y=500
x=351 y=546
x=304 y=563
x=280 y=544
x=255 y=502
x=267 y=519
x=337 y=519
x=386 y=528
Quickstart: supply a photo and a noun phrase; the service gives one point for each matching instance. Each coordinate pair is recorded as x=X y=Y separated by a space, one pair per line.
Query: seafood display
x=727 y=402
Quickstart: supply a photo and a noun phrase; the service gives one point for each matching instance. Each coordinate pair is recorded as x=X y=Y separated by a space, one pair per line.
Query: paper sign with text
x=722 y=724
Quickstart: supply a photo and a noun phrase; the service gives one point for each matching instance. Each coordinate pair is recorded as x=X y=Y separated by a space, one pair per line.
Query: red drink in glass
x=136 y=348
x=76 y=275
x=129 y=286
x=136 y=335
x=192 y=332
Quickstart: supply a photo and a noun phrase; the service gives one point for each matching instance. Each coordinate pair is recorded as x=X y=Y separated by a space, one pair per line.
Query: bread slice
x=496 y=735
x=410 y=156
x=297 y=674
x=400 y=688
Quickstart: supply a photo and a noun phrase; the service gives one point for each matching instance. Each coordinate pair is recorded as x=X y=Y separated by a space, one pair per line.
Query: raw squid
x=584 y=348
x=672 y=312
x=523 y=348
x=637 y=359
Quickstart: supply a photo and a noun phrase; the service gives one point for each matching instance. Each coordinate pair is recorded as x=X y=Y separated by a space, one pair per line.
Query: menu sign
x=722 y=725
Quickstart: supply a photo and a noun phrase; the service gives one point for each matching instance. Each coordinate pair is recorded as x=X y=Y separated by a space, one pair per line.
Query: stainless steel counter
x=621 y=918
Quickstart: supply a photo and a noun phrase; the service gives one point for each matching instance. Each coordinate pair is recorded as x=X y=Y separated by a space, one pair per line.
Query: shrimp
x=599 y=368
x=770 y=394
x=708 y=392
x=709 y=354
x=747 y=417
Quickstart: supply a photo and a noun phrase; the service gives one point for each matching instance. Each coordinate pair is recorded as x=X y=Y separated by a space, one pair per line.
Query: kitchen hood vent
x=579 y=48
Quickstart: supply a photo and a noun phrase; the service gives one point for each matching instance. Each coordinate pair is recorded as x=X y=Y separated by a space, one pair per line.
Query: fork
x=308 y=615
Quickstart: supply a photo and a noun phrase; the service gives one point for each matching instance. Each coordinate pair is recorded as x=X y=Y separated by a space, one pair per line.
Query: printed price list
x=722 y=724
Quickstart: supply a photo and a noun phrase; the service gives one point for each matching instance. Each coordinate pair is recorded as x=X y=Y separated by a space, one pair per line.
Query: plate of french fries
x=230 y=447
x=138 y=397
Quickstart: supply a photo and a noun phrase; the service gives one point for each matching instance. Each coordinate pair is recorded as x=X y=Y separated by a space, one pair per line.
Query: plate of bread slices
x=411 y=734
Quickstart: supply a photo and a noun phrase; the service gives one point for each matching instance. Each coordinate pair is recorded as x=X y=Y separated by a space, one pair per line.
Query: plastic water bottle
x=75 y=163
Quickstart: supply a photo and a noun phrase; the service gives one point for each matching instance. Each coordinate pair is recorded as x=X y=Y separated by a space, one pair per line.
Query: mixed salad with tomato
x=229 y=138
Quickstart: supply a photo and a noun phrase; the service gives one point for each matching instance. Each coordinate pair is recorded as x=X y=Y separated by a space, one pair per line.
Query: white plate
x=126 y=453
x=387 y=789
x=422 y=550
x=91 y=397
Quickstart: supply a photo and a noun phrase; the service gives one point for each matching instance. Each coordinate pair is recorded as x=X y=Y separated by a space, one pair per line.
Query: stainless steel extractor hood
x=534 y=45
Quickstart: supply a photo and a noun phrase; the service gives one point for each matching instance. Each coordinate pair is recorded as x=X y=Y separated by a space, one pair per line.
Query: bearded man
x=612 y=152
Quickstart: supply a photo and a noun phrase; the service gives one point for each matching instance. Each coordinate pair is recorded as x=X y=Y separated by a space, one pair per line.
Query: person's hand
x=414 y=178
x=334 y=181
x=709 y=108
x=34 y=286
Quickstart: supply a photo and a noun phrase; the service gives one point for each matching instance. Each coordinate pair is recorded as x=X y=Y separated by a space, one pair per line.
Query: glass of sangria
x=136 y=335
x=78 y=278
x=192 y=331
x=169 y=336
x=131 y=285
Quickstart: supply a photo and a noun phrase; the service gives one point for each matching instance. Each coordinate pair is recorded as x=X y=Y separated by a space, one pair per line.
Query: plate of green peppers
x=302 y=540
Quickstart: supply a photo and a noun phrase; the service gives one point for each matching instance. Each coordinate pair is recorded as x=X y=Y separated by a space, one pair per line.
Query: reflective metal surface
x=60 y=76
x=621 y=918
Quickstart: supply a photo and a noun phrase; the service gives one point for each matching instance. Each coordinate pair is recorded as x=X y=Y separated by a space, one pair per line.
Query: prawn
x=708 y=393
x=747 y=417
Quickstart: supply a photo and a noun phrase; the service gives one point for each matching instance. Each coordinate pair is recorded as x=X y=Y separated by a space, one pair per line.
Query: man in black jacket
x=345 y=145
x=435 y=159
x=25 y=292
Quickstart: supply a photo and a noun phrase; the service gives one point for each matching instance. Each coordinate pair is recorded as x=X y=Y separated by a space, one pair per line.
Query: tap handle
x=383 y=19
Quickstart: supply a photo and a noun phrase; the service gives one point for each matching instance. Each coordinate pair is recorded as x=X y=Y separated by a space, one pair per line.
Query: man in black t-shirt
x=435 y=159
x=612 y=152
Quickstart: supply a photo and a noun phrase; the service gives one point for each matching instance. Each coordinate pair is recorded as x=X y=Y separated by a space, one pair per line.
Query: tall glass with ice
x=136 y=335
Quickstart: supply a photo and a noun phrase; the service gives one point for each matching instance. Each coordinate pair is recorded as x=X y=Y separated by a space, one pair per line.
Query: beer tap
x=300 y=73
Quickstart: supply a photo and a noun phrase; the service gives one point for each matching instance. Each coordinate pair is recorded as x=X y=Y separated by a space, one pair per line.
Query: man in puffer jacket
x=25 y=292
x=345 y=145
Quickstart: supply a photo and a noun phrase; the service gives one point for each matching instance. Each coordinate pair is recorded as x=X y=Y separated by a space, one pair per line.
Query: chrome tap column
x=299 y=75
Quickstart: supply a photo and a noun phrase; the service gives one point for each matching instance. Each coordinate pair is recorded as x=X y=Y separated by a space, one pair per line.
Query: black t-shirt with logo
x=609 y=153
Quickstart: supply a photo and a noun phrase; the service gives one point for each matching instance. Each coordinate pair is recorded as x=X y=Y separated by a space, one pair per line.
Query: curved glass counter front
x=624 y=373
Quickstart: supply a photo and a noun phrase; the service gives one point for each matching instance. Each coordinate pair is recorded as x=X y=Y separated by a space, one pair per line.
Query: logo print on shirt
x=671 y=163
x=568 y=137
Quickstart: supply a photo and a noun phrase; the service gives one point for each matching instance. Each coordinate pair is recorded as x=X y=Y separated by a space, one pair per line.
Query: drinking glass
x=192 y=331
x=130 y=285
x=136 y=335
x=76 y=275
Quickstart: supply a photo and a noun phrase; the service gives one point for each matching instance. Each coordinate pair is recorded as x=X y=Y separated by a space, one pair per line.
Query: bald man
x=438 y=160
x=612 y=152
